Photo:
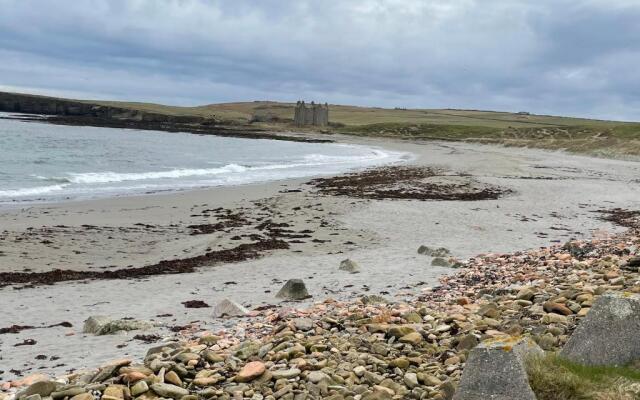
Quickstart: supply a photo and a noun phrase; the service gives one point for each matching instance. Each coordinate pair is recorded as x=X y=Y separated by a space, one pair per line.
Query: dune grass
x=607 y=140
x=553 y=378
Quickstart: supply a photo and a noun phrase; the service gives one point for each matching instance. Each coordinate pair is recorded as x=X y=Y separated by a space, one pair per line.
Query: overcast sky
x=545 y=56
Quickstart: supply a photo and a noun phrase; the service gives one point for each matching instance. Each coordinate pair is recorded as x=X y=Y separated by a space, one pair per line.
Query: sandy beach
x=552 y=197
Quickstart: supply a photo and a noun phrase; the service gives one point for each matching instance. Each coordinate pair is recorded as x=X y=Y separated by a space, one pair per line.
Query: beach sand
x=554 y=197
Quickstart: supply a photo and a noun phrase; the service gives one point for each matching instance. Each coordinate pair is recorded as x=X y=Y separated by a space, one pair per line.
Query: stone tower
x=314 y=114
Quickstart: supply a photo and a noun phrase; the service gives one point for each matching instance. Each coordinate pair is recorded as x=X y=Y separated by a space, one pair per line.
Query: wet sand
x=554 y=197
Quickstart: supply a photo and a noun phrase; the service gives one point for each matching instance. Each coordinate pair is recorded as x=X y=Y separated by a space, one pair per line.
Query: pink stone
x=30 y=379
x=250 y=371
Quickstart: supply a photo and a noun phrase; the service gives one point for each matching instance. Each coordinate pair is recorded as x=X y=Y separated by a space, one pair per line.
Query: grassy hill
x=595 y=137
x=359 y=116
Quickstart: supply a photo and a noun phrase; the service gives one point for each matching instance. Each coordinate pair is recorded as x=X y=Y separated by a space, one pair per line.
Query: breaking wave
x=84 y=165
x=34 y=191
x=110 y=177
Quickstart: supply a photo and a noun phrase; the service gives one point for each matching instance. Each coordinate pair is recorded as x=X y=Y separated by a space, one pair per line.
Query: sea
x=41 y=162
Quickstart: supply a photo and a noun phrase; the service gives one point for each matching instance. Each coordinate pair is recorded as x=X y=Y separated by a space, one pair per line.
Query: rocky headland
x=86 y=113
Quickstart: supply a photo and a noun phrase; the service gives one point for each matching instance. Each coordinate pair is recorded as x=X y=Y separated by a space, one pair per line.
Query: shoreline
x=240 y=131
x=373 y=157
x=554 y=199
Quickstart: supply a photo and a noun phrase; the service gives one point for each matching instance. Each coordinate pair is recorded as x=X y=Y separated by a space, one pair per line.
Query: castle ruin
x=314 y=114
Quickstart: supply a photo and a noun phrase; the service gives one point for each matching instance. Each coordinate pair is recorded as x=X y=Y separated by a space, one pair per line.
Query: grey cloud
x=549 y=56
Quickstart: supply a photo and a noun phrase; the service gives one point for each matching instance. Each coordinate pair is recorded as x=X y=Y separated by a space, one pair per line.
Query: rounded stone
x=250 y=371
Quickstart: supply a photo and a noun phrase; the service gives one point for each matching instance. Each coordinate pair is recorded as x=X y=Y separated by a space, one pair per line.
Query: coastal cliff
x=32 y=104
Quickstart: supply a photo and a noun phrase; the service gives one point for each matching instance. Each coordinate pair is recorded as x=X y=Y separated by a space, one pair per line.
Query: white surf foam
x=111 y=177
x=309 y=160
x=99 y=184
x=34 y=191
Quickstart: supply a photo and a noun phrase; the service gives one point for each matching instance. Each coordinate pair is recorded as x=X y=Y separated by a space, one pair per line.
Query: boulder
x=42 y=388
x=608 y=334
x=228 y=308
x=496 y=370
x=95 y=324
x=101 y=325
x=349 y=266
x=294 y=289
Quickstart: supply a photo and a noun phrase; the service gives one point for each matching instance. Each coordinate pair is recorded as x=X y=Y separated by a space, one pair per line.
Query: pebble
x=139 y=388
x=285 y=373
x=251 y=371
x=411 y=347
x=171 y=391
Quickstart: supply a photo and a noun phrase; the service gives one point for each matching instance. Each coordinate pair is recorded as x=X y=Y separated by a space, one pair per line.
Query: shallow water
x=43 y=162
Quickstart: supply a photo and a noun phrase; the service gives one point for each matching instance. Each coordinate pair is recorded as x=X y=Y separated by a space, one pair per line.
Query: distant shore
x=243 y=132
x=274 y=120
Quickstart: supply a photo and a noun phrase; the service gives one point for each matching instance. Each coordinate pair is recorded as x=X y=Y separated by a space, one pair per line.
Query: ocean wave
x=314 y=160
x=306 y=161
x=111 y=177
x=34 y=191
x=374 y=155
x=57 y=179
x=98 y=184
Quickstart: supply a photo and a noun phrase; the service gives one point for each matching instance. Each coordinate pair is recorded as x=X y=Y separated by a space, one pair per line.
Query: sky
x=560 y=57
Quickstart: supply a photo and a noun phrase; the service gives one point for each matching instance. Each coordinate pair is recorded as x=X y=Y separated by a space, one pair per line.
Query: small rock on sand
x=101 y=325
x=433 y=252
x=294 y=289
x=349 y=266
x=228 y=308
x=440 y=262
